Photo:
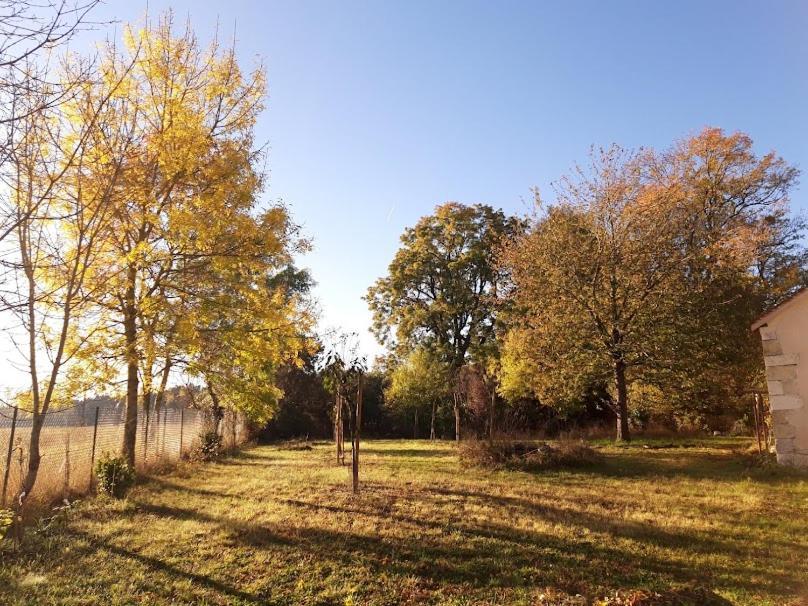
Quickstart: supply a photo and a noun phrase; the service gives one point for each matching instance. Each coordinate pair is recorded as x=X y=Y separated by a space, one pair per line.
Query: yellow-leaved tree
x=187 y=231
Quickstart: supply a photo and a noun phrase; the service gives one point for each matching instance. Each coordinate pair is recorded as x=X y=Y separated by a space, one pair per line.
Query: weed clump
x=527 y=456
x=210 y=446
x=114 y=475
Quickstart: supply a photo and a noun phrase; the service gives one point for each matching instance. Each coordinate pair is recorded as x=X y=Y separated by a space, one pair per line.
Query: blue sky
x=378 y=110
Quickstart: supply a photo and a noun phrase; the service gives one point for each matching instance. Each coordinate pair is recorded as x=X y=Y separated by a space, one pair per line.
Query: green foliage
x=439 y=287
x=114 y=475
x=419 y=381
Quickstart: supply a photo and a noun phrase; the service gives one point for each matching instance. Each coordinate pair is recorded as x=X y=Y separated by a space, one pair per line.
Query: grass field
x=273 y=526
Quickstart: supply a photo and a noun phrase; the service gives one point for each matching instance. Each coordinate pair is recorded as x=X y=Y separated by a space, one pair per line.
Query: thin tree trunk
x=160 y=398
x=338 y=427
x=621 y=408
x=355 y=442
x=415 y=426
x=216 y=410
x=457 y=418
x=432 y=420
x=130 y=334
x=492 y=412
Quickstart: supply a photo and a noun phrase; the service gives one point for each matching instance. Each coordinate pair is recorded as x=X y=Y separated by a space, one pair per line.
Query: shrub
x=210 y=446
x=114 y=475
x=6 y=520
x=510 y=454
x=299 y=444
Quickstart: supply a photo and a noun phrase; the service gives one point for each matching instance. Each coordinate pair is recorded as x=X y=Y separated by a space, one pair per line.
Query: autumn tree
x=33 y=83
x=745 y=254
x=644 y=271
x=190 y=181
x=592 y=281
x=60 y=217
x=248 y=319
x=440 y=288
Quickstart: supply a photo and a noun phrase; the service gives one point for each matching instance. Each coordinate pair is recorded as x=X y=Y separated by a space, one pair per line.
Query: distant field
x=271 y=526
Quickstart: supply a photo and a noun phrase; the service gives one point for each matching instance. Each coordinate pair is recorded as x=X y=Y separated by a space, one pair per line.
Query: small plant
x=6 y=520
x=114 y=475
x=210 y=446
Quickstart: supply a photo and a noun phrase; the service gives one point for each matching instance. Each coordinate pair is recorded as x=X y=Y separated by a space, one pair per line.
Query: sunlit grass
x=272 y=526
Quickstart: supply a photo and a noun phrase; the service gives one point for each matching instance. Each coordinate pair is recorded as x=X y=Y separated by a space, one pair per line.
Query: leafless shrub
x=527 y=456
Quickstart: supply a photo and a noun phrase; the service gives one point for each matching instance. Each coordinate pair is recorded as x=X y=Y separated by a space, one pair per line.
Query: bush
x=114 y=475
x=527 y=456
x=6 y=520
x=210 y=446
x=299 y=444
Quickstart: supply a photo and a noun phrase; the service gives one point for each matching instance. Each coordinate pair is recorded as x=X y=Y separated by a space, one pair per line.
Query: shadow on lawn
x=537 y=558
x=443 y=545
x=721 y=466
x=159 y=565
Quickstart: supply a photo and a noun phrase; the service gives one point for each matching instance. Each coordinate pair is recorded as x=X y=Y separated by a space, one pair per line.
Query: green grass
x=272 y=526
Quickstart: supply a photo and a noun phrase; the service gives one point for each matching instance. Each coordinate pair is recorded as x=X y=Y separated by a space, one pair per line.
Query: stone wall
x=788 y=410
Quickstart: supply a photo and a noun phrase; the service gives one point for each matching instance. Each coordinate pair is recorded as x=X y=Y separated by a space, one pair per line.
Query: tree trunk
x=216 y=410
x=457 y=418
x=415 y=426
x=621 y=408
x=338 y=429
x=432 y=420
x=34 y=461
x=130 y=336
x=355 y=441
x=492 y=412
x=160 y=400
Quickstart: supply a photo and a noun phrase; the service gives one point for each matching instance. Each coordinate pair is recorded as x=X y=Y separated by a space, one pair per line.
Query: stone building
x=784 y=334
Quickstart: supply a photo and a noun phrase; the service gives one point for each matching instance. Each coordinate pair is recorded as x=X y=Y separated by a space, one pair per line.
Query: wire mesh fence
x=73 y=439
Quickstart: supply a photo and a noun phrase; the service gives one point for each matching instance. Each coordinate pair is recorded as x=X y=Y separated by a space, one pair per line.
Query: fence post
x=92 y=451
x=182 y=424
x=8 y=455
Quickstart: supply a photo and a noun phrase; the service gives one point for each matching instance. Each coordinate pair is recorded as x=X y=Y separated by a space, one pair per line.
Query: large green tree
x=441 y=285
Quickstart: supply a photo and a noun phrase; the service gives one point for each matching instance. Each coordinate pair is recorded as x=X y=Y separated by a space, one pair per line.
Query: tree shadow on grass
x=478 y=560
x=722 y=542
x=160 y=565
x=715 y=466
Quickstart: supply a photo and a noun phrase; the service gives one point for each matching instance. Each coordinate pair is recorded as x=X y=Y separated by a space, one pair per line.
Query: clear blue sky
x=380 y=110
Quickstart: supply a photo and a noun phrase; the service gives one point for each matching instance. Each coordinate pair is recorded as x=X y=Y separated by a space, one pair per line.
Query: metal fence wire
x=72 y=439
